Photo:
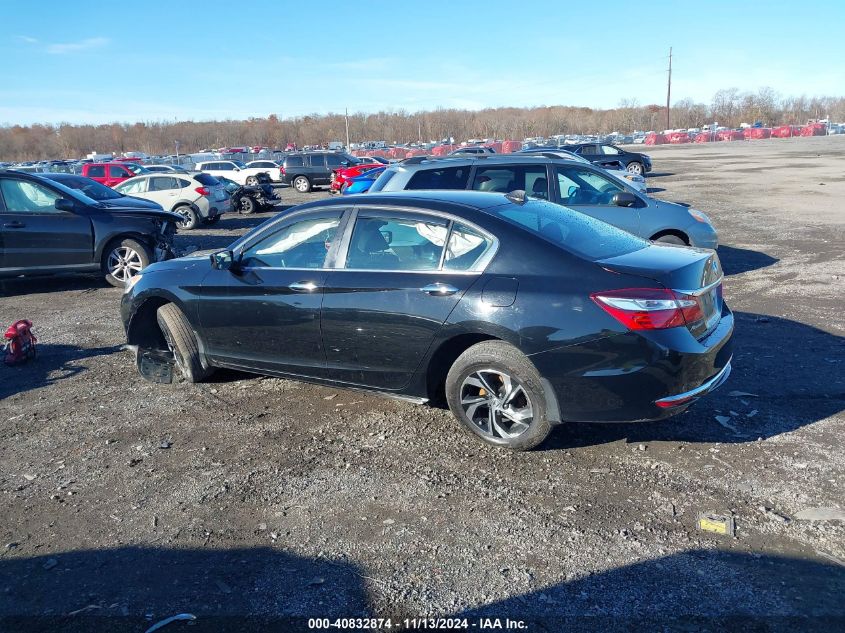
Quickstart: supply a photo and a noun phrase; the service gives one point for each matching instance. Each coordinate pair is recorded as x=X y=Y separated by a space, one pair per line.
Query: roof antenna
x=517 y=197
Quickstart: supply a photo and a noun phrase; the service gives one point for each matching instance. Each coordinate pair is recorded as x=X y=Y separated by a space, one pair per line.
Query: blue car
x=362 y=183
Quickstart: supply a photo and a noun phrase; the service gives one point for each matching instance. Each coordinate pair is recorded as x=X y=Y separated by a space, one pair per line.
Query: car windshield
x=136 y=169
x=74 y=193
x=90 y=188
x=576 y=232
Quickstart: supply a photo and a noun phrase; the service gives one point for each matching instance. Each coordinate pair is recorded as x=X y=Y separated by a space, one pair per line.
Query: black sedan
x=48 y=228
x=601 y=153
x=517 y=312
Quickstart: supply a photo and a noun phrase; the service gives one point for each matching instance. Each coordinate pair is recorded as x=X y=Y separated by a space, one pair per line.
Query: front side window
x=131 y=187
x=318 y=160
x=117 y=171
x=504 y=179
x=22 y=196
x=581 y=186
x=610 y=150
x=444 y=178
x=396 y=244
x=303 y=244
x=334 y=160
x=225 y=167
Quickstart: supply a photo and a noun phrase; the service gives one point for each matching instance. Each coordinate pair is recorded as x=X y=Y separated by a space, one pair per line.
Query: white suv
x=234 y=170
x=197 y=197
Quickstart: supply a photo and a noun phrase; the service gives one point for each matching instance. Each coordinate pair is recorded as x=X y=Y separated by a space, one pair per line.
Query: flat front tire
x=123 y=259
x=182 y=343
x=497 y=394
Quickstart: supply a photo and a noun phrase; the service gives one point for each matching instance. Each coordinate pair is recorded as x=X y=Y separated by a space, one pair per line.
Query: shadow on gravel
x=655 y=189
x=795 y=371
x=57 y=283
x=52 y=364
x=698 y=590
x=114 y=590
x=736 y=261
x=659 y=174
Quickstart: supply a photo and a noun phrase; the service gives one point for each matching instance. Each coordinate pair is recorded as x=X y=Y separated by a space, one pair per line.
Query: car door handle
x=303 y=286
x=14 y=225
x=439 y=289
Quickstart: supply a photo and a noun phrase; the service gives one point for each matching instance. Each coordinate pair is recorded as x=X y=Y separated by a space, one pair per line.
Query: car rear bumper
x=634 y=376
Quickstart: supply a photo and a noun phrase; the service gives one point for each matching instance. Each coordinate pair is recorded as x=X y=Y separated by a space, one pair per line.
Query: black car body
x=47 y=228
x=361 y=293
x=600 y=153
x=106 y=196
x=304 y=170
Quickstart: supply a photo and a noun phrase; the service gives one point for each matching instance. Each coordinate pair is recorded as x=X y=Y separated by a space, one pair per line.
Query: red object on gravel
x=19 y=342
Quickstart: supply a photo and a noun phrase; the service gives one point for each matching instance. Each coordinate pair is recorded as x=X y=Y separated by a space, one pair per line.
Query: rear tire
x=497 y=395
x=252 y=180
x=123 y=259
x=183 y=344
x=246 y=205
x=190 y=219
x=302 y=184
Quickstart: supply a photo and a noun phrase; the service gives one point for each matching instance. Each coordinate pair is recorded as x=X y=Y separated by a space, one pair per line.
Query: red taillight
x=649 y=308
x=203 y=191
x=282 y=170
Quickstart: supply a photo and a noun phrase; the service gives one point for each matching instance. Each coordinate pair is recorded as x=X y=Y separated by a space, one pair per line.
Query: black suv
x=304 y=170
x=46 y=228
x=599 y=153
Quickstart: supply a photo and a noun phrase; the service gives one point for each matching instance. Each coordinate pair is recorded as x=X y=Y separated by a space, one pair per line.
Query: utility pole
x=347 y=129
x=669 y=90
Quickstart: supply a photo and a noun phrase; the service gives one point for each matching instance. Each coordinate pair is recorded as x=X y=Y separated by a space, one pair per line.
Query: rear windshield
x=578 y=233
x=206 y=179
x=382 y=180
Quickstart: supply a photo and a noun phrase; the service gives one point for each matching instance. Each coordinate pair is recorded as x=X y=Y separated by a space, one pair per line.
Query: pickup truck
x=48 y=228
x=111 y=174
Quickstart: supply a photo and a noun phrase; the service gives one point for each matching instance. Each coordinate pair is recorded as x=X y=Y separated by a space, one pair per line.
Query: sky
x=100 y=62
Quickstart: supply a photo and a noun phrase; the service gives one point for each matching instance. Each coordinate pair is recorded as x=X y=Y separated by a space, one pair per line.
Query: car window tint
x=333 y=160
x=116 y=171
x=132 y=187
x=22 y=196
x=589 y=150
x=162 y=184
x=396 y=244
x=97 y=171
x=294 y=161
x=610 y=150
x=581 y=186
x=318 y=160
x=205 y=179
x=181 y=183
x=576 y=232
x=465 y=248
x=445 y=178
x=504 y=179
x=303 y=244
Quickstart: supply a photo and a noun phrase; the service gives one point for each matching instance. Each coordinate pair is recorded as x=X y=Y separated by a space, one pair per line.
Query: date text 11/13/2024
x=431 y=624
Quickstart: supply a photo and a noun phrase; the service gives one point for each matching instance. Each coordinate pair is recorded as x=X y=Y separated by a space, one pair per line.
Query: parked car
x=634 y=162
x=585 y=188
x=343 y=175
x=305 y=170
x=111 y=174
x=231 y=169
x=518 y=313
x=195 y=197
x=173 y=169
x=362 y=183
x=106 y=196
x=48 y=228
x=269 y=167
x=613 y=168
x=471 y=150
x=373 y=160
x=248 y=199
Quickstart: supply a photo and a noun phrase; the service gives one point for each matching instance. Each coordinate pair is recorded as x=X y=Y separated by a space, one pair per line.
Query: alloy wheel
x=496 y=403
x=124 y=263
x=635 y=168
x=186 y=216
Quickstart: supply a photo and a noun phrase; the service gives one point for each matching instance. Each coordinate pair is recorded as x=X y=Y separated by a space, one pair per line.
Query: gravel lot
x=253 y=502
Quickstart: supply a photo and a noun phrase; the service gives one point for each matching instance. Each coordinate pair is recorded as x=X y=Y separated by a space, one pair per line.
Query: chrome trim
x=701 y=291
x=303 y=286
x=714 y=383
x=439 y=289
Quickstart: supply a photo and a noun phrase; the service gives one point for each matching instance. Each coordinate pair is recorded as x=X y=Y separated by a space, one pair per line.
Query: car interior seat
x=369 y=250
x=540 y=188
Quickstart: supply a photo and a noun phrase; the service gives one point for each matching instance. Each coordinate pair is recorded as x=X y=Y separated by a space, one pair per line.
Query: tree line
x=729 y=107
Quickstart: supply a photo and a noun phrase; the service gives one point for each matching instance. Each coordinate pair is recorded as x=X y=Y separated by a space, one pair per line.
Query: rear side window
x=445 y=178
x=576 y=232
x=205 y=179
x=465 y=248
x=97 y=171
x=294 y=161
x=181 y=183
x=396 y=244
x=161 y=183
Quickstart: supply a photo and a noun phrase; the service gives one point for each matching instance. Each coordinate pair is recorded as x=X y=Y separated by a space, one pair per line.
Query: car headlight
x=132 y=281
x=699 y=216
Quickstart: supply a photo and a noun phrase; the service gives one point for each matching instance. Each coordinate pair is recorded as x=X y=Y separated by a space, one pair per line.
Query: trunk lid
x=692 y=274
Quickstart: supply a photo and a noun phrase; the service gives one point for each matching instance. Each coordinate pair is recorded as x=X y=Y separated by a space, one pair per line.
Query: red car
x=341 y=176
x=111 y=174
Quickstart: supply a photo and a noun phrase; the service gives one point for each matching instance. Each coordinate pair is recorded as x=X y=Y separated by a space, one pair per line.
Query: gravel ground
x=252 y=502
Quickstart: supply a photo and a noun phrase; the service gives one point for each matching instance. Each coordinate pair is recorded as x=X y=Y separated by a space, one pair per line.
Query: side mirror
x=624 y=199
x=223 y=260
x=63 y=204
